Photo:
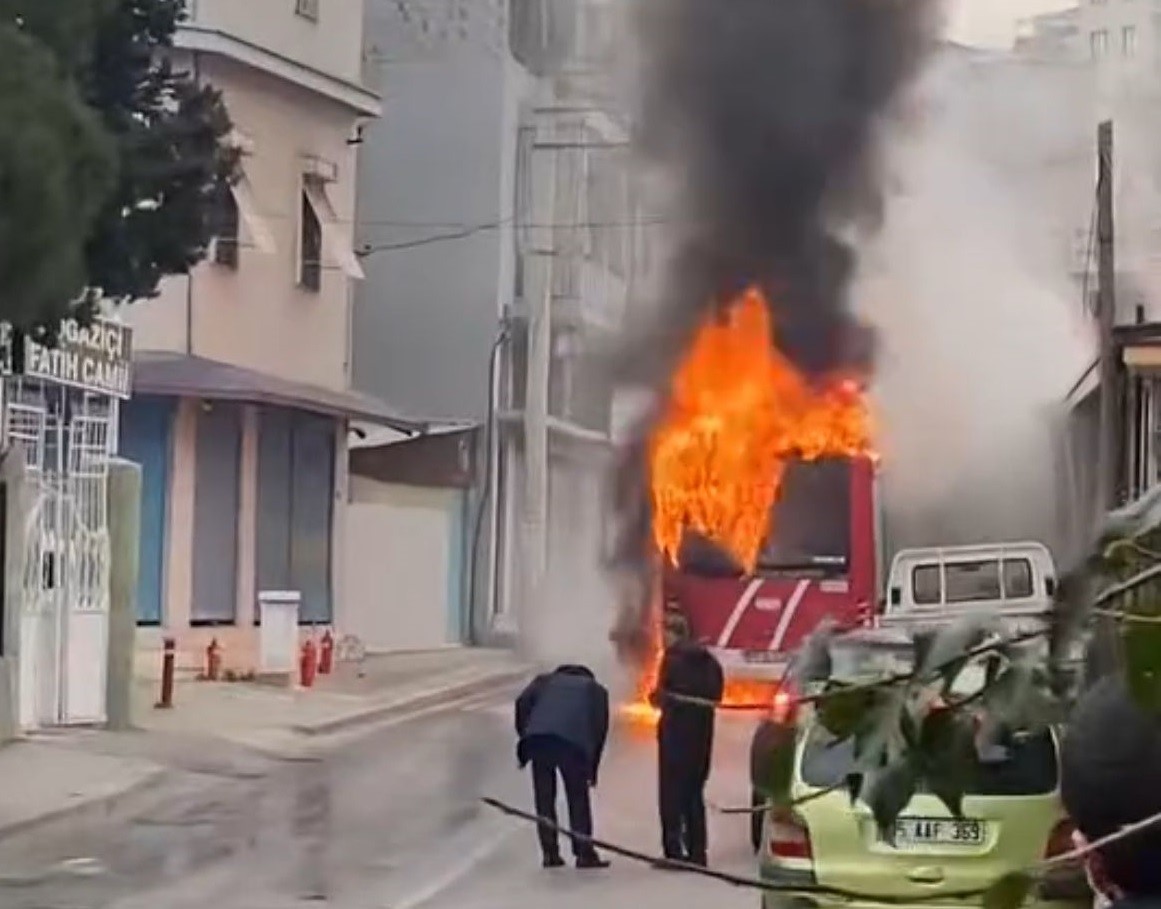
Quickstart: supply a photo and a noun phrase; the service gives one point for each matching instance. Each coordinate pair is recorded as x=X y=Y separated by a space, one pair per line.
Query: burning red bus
x=819 y=561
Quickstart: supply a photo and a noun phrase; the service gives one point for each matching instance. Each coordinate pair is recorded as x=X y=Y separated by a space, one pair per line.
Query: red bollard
x=308 y=664
x=169 y=655
x=213 y=661
x=326 y=654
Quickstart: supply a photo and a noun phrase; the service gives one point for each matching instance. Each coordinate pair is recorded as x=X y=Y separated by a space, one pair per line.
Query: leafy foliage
x=57 y=166
x=924 y=728
x=111 y=162
x=169 y=131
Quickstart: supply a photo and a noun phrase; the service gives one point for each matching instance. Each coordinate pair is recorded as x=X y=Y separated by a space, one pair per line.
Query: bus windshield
x=809 y=527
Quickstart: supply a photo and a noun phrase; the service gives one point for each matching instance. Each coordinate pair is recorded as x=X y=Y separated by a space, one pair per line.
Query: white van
x=935 y=586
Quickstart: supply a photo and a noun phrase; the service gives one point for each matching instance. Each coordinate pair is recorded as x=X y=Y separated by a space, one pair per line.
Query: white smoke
x=981 y=327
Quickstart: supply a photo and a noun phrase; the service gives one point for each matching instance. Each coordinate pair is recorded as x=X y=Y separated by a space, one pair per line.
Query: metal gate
x=68 y=437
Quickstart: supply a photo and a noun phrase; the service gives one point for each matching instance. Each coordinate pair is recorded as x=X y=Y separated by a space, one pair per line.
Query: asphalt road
x=391 y=821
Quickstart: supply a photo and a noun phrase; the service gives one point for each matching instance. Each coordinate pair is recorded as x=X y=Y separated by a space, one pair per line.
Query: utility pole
x=538 y=293
x=1107 y=445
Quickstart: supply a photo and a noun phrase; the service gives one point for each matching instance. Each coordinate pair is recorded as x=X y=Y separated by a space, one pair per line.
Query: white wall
x=398 y=562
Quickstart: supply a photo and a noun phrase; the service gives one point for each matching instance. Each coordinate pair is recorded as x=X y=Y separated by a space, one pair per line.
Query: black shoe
x=700 y=860
x=591 y=861
x=553 y=861
x=669 y=863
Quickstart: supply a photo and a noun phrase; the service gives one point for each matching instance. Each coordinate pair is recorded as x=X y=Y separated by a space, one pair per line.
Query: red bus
x=820 y=561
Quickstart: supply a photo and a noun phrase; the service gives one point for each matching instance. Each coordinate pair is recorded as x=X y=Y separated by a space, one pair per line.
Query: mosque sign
x=96 y=357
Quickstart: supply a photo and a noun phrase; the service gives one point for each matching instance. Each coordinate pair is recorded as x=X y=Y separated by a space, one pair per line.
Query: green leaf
x=1004 y=698
x=921 y=642
x=772 y=767
x=777 y=773
x=844 y=709
x=1009 y=891
x=947 y=753
x=813 y=661
x=887 y=792
x=952 y=642
x=879 y=737
x=1142 y=642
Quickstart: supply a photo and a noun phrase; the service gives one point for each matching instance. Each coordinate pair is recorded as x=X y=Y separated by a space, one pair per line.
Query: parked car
x=1012 y=819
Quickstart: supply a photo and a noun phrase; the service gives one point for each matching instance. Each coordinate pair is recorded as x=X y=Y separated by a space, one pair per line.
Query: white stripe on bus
x=787 y=616
x=740 y=607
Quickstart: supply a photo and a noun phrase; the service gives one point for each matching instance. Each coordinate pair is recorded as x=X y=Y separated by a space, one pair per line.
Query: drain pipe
x=486 y=493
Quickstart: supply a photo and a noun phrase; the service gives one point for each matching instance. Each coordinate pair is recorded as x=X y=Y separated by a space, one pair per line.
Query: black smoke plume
x=768 y=114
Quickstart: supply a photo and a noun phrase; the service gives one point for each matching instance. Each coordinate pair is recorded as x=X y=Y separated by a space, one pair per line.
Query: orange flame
x=738 y=412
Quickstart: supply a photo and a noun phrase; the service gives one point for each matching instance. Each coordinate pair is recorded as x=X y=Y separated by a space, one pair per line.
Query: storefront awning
x=180 y=375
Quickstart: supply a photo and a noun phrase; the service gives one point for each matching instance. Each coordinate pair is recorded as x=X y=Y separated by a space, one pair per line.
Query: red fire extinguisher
x=213 y=661
x=326 y=654
x=308 y=664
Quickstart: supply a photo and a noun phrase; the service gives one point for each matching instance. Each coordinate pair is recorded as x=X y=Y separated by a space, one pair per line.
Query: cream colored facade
x=288 y=71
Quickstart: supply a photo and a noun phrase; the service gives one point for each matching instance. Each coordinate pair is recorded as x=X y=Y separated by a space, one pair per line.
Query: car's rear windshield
x=1022 y=766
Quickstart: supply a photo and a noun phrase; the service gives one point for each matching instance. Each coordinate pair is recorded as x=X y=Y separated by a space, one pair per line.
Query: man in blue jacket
x=562 y=721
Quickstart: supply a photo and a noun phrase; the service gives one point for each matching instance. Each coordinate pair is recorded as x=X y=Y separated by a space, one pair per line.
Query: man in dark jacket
x=685 y=736
x=562 y=720
x=1110 y=778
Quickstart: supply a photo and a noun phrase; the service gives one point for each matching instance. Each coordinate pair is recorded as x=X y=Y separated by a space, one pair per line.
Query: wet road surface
x=391 y=821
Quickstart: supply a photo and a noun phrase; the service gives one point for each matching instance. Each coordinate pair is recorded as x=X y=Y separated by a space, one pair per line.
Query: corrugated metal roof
x=181 y=375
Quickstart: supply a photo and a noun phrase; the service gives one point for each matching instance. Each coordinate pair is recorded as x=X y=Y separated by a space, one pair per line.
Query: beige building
x=241 y=401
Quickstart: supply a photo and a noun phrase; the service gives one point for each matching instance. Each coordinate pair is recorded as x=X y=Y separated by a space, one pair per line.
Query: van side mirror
x=896 y=596
x=1050 y=586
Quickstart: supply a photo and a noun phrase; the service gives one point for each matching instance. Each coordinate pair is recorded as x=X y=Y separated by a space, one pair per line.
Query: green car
x=1013 y=818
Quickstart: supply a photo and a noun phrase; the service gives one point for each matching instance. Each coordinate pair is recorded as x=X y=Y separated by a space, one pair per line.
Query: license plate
x=760 y=656
x=924 y=831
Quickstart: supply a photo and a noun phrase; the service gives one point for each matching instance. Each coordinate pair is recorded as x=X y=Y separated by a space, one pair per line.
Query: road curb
x=436 y=697
x=87 y=808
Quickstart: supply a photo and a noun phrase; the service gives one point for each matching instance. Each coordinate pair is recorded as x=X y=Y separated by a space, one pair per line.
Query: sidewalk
x=230 y=729
x=49 y=781
x=279 y=721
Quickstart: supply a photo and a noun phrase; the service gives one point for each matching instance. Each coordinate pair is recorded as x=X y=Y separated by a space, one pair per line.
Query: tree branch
x=736 y=880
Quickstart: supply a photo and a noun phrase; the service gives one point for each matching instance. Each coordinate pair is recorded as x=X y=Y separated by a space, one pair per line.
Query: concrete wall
x=256 y=316
x=440 y=161
x=332 y=44
x=403 y=570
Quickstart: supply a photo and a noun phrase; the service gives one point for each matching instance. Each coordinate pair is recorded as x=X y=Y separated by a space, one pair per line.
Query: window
x=971 y=581
x=811 y=521
x=226 y=226
x=321 y=232
x=1017 y=579
x=309 y=246
x=1022 y=765
x=1129 y=41
x=607 y=193
x=926 y=584
x=307 y=9
x=1098 y=43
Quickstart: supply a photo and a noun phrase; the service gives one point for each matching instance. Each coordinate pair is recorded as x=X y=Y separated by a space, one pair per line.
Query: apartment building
x=242 y=369
x=498 y=178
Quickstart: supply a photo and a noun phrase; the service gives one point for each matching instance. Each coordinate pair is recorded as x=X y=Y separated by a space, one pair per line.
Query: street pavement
x=391 y=820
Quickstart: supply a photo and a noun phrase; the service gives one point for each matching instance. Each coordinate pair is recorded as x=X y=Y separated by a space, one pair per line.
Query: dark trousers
x=681 y=798
x=550 y=758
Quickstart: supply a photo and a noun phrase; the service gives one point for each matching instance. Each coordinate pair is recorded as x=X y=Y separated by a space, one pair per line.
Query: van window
x=1017 y=579
x=1024 y=765
x=926 y=584
x=970 y=581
